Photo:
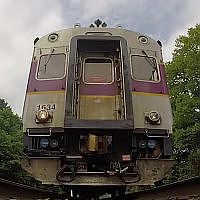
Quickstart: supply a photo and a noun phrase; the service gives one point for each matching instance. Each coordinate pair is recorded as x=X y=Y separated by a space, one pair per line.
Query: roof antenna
x=98 y=24
x=77 y=25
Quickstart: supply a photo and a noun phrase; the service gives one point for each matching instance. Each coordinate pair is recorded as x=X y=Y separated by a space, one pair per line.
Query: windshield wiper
x=147 y=58
x=154 y=76
x=48 y=59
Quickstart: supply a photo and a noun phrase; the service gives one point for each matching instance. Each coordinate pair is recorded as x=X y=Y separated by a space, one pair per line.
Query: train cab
x=97 y=109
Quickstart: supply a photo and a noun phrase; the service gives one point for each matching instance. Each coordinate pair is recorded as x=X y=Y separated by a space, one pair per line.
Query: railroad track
x=16 y=191
x=183 y=190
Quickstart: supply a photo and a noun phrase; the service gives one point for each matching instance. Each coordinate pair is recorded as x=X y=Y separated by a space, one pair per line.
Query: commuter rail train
x=97 y=110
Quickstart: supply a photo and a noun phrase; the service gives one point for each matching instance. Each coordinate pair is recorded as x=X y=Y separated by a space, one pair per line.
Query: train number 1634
x=46 y=106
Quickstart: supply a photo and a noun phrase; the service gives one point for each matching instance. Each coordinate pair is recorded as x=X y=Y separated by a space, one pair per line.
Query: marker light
x=54 y=143
x=151 y=144
x=142 y=144
x=143 y=39
x=44 y=142
x=53 y=37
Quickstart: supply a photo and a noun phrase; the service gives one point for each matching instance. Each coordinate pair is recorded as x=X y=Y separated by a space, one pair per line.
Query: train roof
x=134 y=39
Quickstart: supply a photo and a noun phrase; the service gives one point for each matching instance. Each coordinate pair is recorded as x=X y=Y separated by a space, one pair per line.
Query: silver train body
x=97 y=109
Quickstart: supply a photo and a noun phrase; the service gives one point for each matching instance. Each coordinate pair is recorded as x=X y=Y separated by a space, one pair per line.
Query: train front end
x=97 y=109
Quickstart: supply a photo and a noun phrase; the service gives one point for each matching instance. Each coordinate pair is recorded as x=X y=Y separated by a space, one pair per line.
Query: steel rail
x=187 y=189
x=17 y=191
x=183 y=190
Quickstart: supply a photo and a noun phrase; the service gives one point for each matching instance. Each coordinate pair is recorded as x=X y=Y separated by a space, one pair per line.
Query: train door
x=99 y=93
x=101 y=89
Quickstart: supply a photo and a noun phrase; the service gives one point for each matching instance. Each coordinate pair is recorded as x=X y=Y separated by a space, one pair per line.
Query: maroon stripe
x=104 y=90
x=151 y=87
x=164 y=80
x=43 y=85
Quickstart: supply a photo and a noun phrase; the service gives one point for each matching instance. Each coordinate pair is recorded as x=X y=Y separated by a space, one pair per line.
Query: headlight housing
x=42 y=116
x=153 y=117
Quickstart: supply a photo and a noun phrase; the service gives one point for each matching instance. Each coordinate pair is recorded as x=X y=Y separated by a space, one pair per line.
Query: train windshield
x=51 y=66
x=144 y=68
x=98 y=70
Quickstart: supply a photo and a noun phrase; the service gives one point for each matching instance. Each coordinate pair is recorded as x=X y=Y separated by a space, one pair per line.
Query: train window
x=97 y=71
x=144 y=68
x=51 y=66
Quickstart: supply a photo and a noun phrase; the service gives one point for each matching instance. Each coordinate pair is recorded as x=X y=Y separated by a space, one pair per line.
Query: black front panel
x=84 y=44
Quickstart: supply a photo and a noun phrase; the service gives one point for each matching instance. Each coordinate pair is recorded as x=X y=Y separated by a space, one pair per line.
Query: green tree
x=10 y=141
x=184 y=82
x=11 y=148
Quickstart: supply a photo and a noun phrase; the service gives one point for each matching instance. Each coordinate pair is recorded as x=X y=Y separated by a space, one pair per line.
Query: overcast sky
x=22 y=21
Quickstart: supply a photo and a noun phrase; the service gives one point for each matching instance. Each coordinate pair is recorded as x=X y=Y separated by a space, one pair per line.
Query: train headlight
x=142 y=144
x=151 y=144
x=153 y=117
x=42 y=116
x=54 y=143
x=44 y=143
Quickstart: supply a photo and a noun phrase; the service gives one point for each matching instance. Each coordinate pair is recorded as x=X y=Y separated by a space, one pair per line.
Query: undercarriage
x=97 y=160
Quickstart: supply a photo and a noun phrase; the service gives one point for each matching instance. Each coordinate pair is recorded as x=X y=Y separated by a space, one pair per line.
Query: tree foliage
x=10 y=141
x=184 y=82
x=11 y=149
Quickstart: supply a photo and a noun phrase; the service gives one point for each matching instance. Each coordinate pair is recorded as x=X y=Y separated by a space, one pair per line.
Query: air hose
x=61 y=177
